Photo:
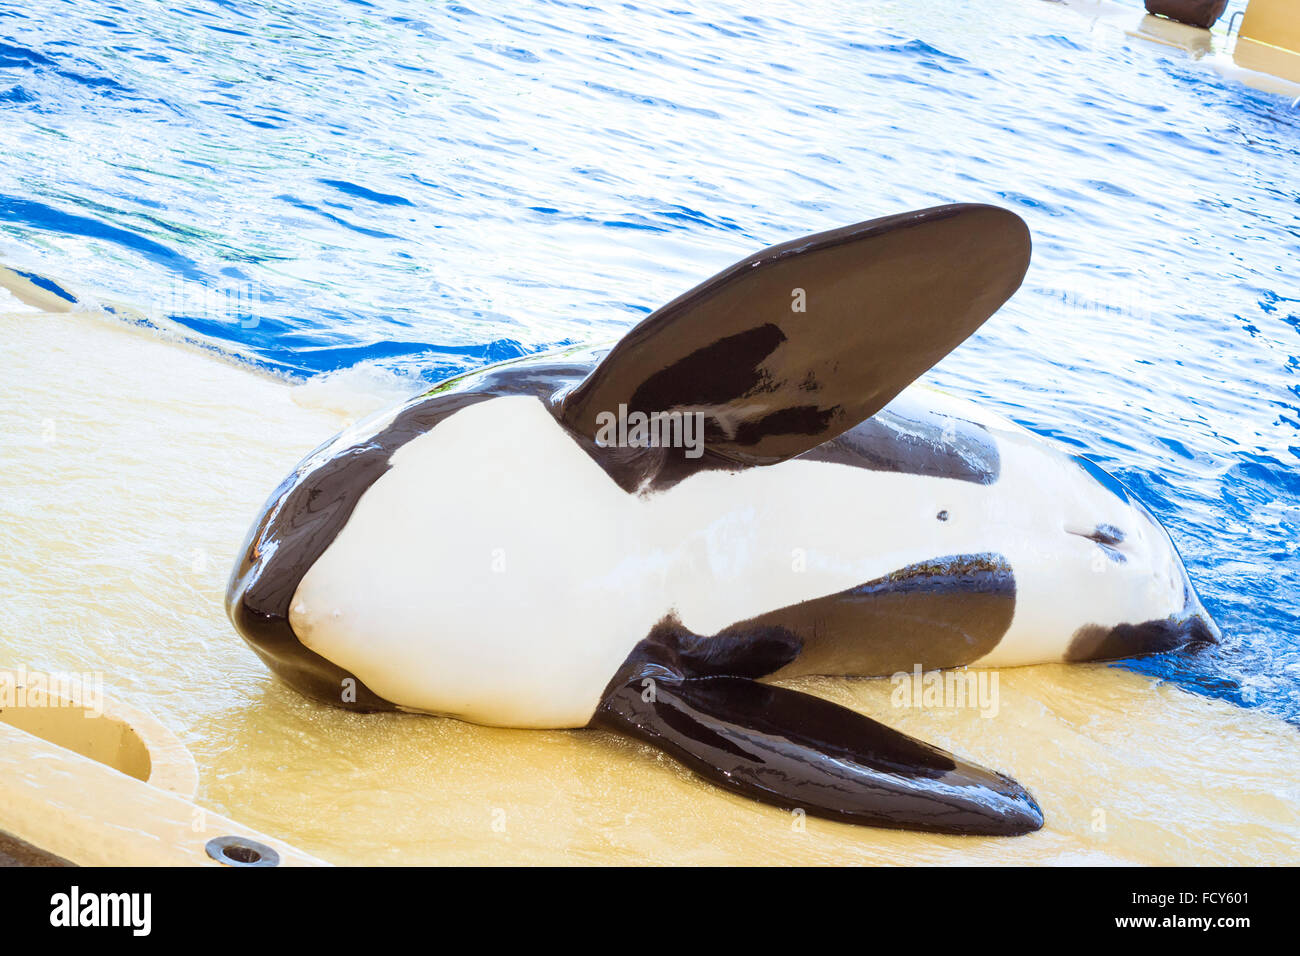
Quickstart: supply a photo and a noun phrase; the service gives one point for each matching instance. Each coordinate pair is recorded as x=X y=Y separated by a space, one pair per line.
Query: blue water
x=429 y=187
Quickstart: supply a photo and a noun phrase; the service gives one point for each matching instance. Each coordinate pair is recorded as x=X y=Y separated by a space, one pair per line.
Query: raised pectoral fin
x=793 y=345
x=794 y=750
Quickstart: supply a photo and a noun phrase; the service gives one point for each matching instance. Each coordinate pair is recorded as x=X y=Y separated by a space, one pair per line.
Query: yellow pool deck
x=132 y=468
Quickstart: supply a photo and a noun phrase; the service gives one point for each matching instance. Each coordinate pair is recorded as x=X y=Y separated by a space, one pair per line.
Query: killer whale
x=478 y=553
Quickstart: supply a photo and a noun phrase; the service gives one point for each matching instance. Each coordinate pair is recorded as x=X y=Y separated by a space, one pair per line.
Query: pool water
x=420 y=188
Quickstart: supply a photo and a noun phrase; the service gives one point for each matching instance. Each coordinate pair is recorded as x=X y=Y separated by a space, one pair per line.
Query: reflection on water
x=431 y=187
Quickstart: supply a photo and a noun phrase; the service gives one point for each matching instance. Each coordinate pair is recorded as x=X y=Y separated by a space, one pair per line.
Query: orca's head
x=1137 y=598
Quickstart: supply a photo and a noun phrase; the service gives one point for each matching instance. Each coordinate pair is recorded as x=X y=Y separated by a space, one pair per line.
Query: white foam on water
x=353 y=393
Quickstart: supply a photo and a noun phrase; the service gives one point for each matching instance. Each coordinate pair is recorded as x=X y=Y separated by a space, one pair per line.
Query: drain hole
x=240 y=851
x=241 y=854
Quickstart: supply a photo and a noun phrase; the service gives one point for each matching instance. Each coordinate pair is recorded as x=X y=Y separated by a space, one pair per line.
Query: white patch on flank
x=410 y=598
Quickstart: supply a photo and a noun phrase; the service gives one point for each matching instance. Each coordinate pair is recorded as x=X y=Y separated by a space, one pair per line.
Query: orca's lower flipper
x=795 y=751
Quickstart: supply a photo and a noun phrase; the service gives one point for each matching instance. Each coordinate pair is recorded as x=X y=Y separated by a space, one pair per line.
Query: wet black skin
x=697 y=699
x=803 y=753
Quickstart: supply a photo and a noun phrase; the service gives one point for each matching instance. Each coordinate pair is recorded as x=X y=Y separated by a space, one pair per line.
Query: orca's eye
x=1107 y=534
x=1108 y=537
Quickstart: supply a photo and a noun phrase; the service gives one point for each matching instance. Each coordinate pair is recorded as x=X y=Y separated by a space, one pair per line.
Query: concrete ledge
x=1265 y=58
x=108 y=731
x=57 y=805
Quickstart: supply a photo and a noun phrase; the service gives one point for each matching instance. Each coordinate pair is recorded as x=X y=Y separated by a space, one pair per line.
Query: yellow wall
x=1275 y=22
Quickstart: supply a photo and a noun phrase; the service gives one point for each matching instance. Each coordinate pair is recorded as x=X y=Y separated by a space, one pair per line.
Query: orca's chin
x=1202 y=630
x=1192 y=631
